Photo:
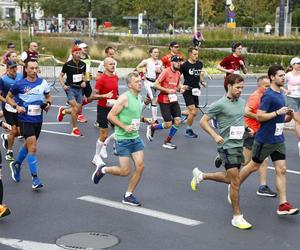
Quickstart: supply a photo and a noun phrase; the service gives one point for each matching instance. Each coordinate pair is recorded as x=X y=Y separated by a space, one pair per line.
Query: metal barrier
x=204 y=100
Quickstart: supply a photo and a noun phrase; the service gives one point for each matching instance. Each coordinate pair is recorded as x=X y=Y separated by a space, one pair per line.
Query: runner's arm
x=204 y=124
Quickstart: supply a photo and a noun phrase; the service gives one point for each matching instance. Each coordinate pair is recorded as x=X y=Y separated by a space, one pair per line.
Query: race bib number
x=34 y=110
x=10 y=108
x=172 y=97
x=196 y=92
x=295 y=90
x=110 y=102
x=77 y=78
x=136 y=124
x=236 y=132
x=279 y=129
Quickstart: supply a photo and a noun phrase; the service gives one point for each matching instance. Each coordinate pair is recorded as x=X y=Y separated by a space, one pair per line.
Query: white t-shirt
x=152 y=67
x=293 y=84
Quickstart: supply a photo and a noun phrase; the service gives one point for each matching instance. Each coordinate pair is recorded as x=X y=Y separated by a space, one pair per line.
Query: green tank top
x=130 y=115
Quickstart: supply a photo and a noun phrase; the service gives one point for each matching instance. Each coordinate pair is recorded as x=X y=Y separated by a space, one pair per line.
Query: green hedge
x=277 y=47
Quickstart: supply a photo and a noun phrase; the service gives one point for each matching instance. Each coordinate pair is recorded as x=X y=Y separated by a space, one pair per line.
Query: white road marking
x=289 y=171
x=141 y=210
x=28 y=245
x=57 y=133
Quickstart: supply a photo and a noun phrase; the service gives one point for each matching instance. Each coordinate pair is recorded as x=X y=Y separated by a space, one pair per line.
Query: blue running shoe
x=36 y=183
x=190 y=134
x=131 y=200
x=15 y=169
x=97 y=175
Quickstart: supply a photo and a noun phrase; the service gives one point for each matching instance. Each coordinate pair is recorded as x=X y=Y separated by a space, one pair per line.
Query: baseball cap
x=295 y=60
x=74 y=49
x=175 y=59
x=77 y=42
x=10 y=45
x=172 y=44
x=82 y=45
x=11 y=64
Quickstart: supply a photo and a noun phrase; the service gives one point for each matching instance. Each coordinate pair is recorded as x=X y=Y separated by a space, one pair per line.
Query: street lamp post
x=196 y=16
x=90 y=17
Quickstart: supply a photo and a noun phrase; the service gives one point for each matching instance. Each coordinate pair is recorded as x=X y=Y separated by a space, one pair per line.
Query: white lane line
x=55 y=123
x=141 y=210
x=289 y=171
x=57 y=133
x=28 y=245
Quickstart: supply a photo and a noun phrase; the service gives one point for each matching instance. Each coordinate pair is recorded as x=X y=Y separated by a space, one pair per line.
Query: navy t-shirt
x=271 y=131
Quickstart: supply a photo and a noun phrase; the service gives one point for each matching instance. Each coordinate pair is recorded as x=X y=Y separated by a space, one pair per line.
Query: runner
x=251 y=121
x=153 y=69
x=30 y=54
x=10 y=114
x=234 y=63
x=293 y=94
x=10 y=49
x=75 y=71
x=229 y=112
x=109 y=52
x=4 y=210
x=106 y=92
x=125 y=115
x=27 y=97
x=174 y=51
x=168 y=83
x=191 y=70
x=269 y=139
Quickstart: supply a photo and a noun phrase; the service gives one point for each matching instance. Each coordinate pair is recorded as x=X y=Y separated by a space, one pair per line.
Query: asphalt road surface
x=174 y=217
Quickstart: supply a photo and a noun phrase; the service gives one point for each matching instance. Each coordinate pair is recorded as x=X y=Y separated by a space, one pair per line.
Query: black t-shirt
x=75 y=73
x=191 y=73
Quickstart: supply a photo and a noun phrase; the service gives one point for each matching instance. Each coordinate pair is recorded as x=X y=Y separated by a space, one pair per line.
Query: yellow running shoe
x=239 y=222
x=197 y=178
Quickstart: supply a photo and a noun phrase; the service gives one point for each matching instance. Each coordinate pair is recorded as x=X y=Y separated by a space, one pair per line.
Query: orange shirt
x=253 y=103
x=166 y=60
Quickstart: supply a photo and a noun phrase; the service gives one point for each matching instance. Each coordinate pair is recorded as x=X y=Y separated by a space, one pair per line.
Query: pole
x=21 y=26
x=195 y=16
x=281 y=17
x=90 y=17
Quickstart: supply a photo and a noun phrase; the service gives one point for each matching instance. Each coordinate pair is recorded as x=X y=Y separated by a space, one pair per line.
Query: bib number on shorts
x=77 y=78
x=172 y=97
x=34 y=110
x=279 y=129
x=196 y=92
x=136 y=124
x=10 y=108
x=110 y=102
x=236 y=132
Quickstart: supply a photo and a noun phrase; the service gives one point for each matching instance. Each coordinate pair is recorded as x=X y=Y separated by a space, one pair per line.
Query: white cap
x=295 y=60
x=82 y=45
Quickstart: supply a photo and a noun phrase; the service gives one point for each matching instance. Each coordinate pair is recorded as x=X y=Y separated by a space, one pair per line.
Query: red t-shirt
x=232 y=62
x=106 y=84
x=166 y=60
x=253 y=103
x=168 y=79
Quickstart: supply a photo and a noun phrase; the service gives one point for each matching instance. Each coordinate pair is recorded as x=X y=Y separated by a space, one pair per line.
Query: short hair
x=107 y=49
x=131 y=75
x=259 y=79
x=235 y=45
x=234 y=78
x=151 y=49
x=30 y=60
x=274 y=69
x=190 y=50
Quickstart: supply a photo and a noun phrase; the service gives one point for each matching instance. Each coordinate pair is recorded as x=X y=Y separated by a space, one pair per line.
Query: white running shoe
x=197 y=178
x=239 y=222
x=103 y=152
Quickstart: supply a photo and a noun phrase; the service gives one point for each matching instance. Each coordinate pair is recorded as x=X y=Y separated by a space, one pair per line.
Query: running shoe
x=131 y=200
x=218 y=161
x=4 y=141
x=150 y=133
x=214 y=123
x=36 y=183
x=239 y=222
x=15 y=171
x=76 y=132
x=169 y=145
x=264 y=190
x=190 y=134
x=60 y=115
x=228 y=195
x=287 y=209
x=9 y=156
x=197 y=178
x=103 y=152
x=97 y=175
x=81 y=118
x=4 y=211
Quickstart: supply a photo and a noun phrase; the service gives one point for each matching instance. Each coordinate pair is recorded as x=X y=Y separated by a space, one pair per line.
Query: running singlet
x=75 y=73
x=271 y=131
x=130 y=115
x=152 y=68
x=30 y=95
x=168 y=79
x=232 y=62
x=191 y=73
x=293 y=83
x=104 y=85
